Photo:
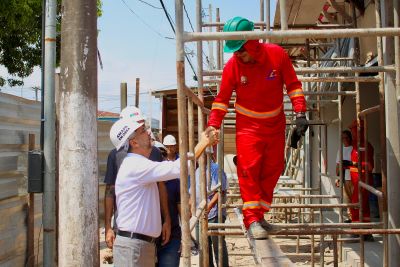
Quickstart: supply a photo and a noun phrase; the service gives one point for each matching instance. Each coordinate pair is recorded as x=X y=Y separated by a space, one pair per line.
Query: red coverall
x=355 y=215
x=260 y=120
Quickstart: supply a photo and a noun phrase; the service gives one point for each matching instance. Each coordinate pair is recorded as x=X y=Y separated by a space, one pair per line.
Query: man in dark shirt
x=168 y=254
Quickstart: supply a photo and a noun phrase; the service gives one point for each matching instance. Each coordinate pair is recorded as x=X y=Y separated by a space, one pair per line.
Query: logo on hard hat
x=271 y=75
x=134 y=114
x=123 y=132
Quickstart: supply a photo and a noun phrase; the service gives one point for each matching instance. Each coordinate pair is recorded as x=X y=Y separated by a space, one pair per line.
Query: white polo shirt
x=346 y=156
x=136 y=191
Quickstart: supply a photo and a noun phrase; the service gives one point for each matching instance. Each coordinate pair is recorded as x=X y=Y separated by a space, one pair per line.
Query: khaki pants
x=133 y=252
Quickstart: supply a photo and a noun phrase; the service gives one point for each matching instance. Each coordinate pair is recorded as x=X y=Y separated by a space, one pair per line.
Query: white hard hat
x=169 y=140
x=159 y=145
x=132 y=113
x=121 y=130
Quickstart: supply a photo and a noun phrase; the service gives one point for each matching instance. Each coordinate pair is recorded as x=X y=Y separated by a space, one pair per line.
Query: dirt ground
x=234 y=245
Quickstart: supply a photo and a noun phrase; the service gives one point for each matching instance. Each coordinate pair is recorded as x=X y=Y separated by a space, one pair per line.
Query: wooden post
x=137 y=92
x=124 y=95
x=31 y=217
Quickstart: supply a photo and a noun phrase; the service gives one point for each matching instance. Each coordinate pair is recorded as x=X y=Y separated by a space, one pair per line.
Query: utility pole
x=78 y=175
x=137 y=92
x=124 y=95
x=49 y=141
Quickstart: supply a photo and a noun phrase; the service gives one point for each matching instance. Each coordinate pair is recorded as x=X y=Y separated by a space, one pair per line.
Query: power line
x=134 y=13
x=187 y=15
x=144 y=2
x=173 y=29
x=191 y=26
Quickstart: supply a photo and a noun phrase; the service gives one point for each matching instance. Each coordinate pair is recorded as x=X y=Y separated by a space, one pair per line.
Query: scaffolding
x=296 y=160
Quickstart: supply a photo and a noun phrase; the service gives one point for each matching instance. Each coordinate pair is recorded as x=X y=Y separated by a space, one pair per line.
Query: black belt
x=137 y=236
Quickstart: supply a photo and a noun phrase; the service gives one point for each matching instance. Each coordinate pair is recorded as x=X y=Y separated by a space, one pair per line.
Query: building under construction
x=346 y=53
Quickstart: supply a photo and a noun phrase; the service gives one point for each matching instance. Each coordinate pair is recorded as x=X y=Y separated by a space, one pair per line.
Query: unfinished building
x=346 y=53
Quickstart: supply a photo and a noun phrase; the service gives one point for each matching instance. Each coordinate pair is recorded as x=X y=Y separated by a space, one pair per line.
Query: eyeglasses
x=141 y=130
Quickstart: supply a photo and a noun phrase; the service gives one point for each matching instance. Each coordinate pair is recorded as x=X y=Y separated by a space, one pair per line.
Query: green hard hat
x=234 y=25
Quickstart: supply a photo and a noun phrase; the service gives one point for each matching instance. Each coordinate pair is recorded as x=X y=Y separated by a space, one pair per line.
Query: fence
x=20 y=117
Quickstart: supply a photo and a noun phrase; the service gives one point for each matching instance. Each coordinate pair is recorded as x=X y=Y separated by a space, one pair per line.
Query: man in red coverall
x=257 y=72
x=353 y=165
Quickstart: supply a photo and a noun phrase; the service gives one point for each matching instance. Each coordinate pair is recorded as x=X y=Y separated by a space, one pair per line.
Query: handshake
x=210 y=135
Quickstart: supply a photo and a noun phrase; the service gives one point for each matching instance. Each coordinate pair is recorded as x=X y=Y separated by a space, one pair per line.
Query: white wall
x=369 y=97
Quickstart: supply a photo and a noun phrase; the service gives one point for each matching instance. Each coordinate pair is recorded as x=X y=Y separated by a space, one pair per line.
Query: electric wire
x=173 y=29
x=134 y=13
x=144 y=2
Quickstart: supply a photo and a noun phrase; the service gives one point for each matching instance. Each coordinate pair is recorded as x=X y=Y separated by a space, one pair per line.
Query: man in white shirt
x=136 y=191
x=347 y=184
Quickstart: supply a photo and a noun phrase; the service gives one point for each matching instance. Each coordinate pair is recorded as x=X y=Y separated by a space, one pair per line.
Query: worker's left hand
x=299 y=130
x=301 y=124
x=165 y=232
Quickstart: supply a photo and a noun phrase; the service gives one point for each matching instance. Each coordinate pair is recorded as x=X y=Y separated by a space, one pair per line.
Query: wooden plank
x=8 y=188
x=269 y=254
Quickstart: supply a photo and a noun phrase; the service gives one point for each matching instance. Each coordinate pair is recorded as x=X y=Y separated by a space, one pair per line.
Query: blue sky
x=136 y=40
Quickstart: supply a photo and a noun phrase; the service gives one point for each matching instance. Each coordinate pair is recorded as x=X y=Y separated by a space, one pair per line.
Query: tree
x=20 y=37
x=20 y=43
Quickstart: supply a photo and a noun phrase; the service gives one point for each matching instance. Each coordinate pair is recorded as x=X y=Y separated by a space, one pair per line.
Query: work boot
x=369 y=238
x=270 y=228
x=256 y=231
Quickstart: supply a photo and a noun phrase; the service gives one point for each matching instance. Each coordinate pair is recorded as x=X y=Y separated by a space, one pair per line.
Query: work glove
x=347 y=163
x=299 y=130
x=301 y=124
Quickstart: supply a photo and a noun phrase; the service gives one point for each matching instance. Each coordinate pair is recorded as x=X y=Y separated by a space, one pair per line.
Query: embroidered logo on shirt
x=243 y=79
x=271 y=75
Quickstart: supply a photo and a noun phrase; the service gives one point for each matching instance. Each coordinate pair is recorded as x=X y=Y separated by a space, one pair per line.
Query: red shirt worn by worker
x=260 y=120
x=355 y=213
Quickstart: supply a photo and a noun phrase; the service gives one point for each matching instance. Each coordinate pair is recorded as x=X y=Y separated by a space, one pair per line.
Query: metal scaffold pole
x=49 y=141
x=220 y=153
x=182 y=128
x=202 y=160
x=78 y=177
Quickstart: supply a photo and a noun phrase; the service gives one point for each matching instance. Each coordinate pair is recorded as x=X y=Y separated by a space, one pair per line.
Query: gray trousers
x=133 y=252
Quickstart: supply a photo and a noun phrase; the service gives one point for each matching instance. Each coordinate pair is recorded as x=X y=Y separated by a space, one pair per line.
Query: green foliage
x=20 y=37
x=20 y=29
